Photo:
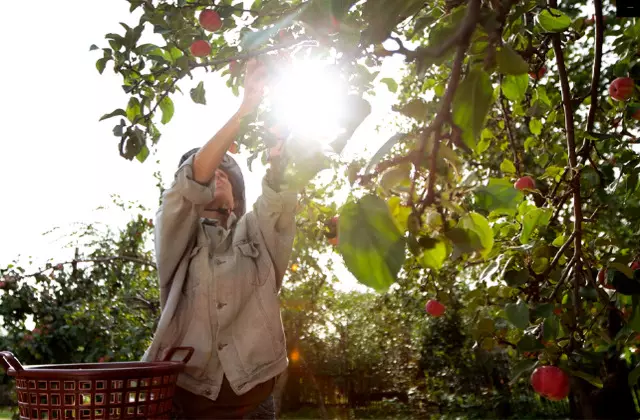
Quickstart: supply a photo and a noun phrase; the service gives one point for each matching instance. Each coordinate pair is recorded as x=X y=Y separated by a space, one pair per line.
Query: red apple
x=557 y=311
x=538 y=75
x=2 y=285
x=525 y=183
x=200 y=48
x=333 y=241
x=636 y=114
x=622 y=88
x=434 y=308
x=550 y=382
x=233 y=148
x=635 y=265
x=210 y=20
x=590 y=21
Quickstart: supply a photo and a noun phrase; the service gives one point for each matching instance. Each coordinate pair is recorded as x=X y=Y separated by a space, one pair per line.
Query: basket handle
x=173 y=350
x=10 y=362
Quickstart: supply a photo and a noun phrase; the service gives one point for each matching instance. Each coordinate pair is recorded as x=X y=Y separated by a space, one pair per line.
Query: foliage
x=101 y=305
x=472 y=122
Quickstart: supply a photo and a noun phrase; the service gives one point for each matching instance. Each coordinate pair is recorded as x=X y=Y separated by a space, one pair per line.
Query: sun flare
x=308 y=98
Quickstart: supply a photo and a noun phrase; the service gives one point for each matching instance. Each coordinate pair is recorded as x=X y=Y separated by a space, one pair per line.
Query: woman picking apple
x=220 y=271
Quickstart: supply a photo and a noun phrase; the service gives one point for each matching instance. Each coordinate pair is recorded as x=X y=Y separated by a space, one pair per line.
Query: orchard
x=497 y=228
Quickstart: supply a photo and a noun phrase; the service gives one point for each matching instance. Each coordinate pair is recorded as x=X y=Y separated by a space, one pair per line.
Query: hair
x=233 y=171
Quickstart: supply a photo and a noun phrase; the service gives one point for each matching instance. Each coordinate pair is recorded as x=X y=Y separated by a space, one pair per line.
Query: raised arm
x=178 y=218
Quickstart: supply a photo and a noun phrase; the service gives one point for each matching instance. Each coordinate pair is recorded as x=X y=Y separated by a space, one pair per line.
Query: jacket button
x=221 y=305
x=221 y=346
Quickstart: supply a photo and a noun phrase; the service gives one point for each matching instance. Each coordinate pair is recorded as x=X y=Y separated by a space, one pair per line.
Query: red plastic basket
x=96 y=390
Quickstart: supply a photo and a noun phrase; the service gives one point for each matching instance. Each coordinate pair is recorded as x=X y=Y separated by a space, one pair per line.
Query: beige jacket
x=219 y=286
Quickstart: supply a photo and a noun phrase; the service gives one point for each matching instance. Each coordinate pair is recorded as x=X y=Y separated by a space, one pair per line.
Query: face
x=223 y=196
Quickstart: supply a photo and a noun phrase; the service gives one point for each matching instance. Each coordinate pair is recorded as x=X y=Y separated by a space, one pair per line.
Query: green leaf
x=416 y=109
x=535 y=126
x=371 y=245
x=521 y=368
x=478 y=224
x=514 y=88
x=386 y=148
x=117 y=112
x=198 y=94
x=534 y=218
x=543 y=310
x=593 y=380
x=435 y=257
x=392 y=85
x=550 y=328
x=471 y=105
x=397 y=176
x=517 y=314
x=510 y=62
x=498 y=196
x=133 y=109
x=101 y=63
x=166 y=106
x=143 y=154
x=528 y=342
x=553 y=20
x=93 y=47
x=634 y=322
x=634 y=376
x=515 y=278
x=485 y=326
x=508 y=167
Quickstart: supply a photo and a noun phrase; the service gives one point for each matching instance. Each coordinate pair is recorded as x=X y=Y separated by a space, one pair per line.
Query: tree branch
x=512 y=140
x=558 y=255
x=464 y=34
x=254 y=53
x=597 y=63
x=573 y=163
x=75 y=262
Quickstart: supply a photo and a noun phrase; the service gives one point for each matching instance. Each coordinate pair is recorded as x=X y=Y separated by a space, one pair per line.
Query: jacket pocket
x=253 y=263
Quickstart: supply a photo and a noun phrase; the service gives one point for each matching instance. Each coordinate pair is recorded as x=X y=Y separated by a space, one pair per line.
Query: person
x=220 y=272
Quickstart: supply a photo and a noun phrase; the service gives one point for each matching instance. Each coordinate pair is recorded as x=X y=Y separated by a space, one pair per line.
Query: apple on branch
x=550 y=382
x=622 y=88
x=210 y=20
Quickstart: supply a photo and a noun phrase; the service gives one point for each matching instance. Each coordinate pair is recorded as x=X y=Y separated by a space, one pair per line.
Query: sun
x=307 y=96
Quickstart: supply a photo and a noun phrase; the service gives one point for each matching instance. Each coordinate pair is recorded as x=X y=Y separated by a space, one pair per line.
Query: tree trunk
x=615 y=399
x=319 y=395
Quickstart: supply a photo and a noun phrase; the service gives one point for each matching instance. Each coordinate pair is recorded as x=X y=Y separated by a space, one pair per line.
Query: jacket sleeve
x=275 y=213
x=177 y=223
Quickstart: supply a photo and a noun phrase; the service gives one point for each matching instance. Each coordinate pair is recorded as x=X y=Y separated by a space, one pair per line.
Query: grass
x=5 y=413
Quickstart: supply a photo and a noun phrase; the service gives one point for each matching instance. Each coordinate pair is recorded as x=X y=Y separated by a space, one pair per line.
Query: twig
x=464 y=34
x=250 y=54
x=573 y=163
x=240 y=9
x=558 y=255
x=512 y=141
x=563 y=277
x=461 y=36
x=597 y=63
x=75 y=262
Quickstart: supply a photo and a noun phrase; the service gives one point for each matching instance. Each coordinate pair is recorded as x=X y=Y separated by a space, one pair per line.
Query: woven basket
x=96 y=390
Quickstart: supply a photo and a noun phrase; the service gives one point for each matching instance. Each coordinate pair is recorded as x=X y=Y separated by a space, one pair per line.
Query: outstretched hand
x=254 y=82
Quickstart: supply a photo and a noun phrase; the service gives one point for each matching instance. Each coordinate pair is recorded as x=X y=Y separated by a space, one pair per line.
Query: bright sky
x=58 y=163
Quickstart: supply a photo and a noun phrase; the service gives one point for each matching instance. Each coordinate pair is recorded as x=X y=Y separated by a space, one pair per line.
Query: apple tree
x=513 y=169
